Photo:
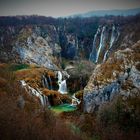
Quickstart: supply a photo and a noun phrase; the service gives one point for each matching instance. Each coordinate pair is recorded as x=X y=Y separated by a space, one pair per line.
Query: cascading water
x=105 y=56
x=114 y=37
x=45 y=82
x=50 y=81
x=94 y=51
x=62 y=84
x=101 y=45
x=104 y=37
x=43 y=99
x=75 y=101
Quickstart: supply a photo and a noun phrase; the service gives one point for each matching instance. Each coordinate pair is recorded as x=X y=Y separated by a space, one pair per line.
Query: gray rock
x=92 y=100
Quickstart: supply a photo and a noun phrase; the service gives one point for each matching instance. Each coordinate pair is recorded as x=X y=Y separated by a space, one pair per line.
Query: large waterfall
x=43 y=99
x=101 y=45
x=111 y=43
x=94 y=51
x=62 y=84
x=103 y=42
x=112 y=36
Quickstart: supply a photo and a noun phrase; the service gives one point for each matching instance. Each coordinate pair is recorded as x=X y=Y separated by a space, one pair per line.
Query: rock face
x=31 y=44
x=120 y=74
x=43 y=41
x=31 y=47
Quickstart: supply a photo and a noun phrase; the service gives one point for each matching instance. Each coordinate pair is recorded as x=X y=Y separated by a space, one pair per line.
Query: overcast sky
x=57 y=8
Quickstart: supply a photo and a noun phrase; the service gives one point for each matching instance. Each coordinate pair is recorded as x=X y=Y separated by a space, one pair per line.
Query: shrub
x=120 y=119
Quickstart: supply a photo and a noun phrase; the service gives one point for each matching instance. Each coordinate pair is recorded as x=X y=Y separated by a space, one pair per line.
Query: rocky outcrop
x=35 y=48
x=119 y=75
x=31 y=44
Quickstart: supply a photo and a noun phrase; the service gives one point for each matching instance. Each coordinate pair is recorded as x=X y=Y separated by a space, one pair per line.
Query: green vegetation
x=16 y=67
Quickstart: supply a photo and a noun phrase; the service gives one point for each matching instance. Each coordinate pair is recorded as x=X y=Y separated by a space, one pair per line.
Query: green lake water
x=63 y=108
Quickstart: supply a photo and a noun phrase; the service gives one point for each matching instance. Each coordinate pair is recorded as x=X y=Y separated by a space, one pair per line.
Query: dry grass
x=57 y=97
x=119 y=120
x=33 y=75
x=48 y=92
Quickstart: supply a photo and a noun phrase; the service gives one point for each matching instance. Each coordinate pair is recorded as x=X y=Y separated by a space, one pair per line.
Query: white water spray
x=43 y=99
x=45 y=82
x=62 y=84
x=94 y=51
x=101 y=45
x=75 y=101
x=105 y=56
x=114 y=37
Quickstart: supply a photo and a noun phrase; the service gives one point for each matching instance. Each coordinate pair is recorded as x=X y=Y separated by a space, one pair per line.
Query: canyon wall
x=45 y=41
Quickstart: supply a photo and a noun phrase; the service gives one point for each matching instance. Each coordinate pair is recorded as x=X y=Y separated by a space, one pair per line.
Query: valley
x=70 y=78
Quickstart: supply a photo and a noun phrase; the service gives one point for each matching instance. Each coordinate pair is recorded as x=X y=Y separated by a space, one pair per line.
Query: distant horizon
x=62 y=8
x=70 y=15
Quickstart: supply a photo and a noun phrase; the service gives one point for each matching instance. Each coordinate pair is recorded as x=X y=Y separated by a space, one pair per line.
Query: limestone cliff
x=31 y=44
x=120 y=74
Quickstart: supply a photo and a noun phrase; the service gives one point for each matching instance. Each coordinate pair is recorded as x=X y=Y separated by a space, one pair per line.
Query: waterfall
x=75 y=101
x=43 y=99
x=59 y=76
x=45 y=82
x=63 y=87
x=105 y=56
x=94 y=51
x=101 y=45
x=50 y=81
x=114 y=37
x=62 y=84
